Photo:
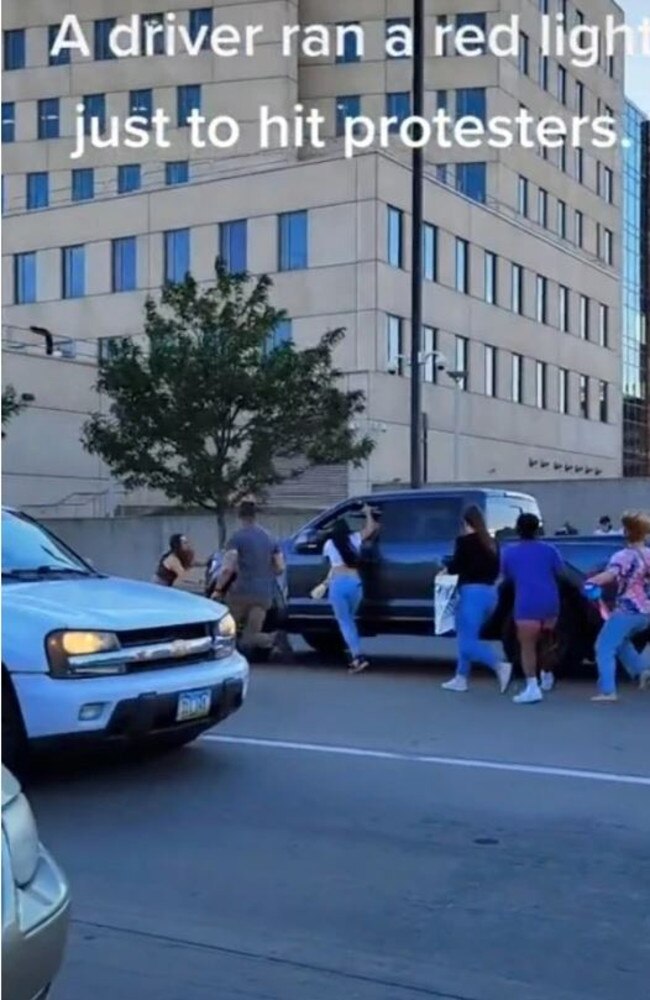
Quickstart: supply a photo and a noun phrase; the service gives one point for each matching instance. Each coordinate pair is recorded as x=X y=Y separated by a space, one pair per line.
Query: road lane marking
x=418 y=758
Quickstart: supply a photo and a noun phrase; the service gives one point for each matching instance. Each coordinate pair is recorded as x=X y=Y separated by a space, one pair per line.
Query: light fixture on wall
x=568 y=468
x=544 y=465
x=557 y=466
x=532 y=463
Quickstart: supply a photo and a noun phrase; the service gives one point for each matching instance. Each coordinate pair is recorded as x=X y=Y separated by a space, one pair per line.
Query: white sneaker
x=529 y=696
x=457 y=683
x=504 y=676
x=547 y=681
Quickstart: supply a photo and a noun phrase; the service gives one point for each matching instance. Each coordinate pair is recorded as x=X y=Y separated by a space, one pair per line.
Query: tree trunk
x=221 y=523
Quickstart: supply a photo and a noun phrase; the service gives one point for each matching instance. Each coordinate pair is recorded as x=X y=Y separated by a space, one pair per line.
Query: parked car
x=89 y=658
x=418 y=529
x=35 y=902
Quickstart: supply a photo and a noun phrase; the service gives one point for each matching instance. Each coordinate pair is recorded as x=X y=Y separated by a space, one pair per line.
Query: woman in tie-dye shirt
x=629 y=571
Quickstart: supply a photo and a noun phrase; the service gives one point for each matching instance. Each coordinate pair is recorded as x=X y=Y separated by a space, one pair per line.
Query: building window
x=394 y=352
x=562 y=219
x=584 y=397
x=430 y=252
x=188 y=99
x=281 y=334
x=471 y=180
x=233 y=245
x=476 y=45
x=48 y=118
x=490 y=370
x=542 y=207
x=397 y=41
x=73 y=272
x=152 y=42
x=580 y=164
x=201 y=17
x=124 y=264
x=543 y=70
x=518 y=289
x=603 y=325
x=462 y=266
x=541 y=309
x=522 y=196
x=517 y=378
x=346 y=107
x=524 y=53
x=608 y=185
x=177 y=172
x=442 y=100
x=395 y=237
x=562 y=158
x=8 y=122
x=293 y=240
x=63 y=58
x=491 y=273
x=462 y=362
x=561 y=84
x=608 y=246
x=429 y=348
x=579 y=228
x=352 y=41
x=24 y=278
x=177 y=255
x=141 y=104
x=585 y=317
x=540 y=385
x=603 y=402
x=398 y=107
x=580 y=97
x=129 y=178
x=564 y=309
x=14 y=49
x=611 y=66
x=563 y=391
x=38 y=190
x=103 y=30
x=94 y=107
x=83 y=184
x=472 y=102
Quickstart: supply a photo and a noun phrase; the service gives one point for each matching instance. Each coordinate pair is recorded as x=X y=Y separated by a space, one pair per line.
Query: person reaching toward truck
x=534 y=567
x=175 y=563
x=476 y=564
x=629 y=570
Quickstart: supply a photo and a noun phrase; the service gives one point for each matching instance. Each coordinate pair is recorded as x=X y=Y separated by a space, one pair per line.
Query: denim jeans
x=476 y=604
x=345 y=594
x=615 y=641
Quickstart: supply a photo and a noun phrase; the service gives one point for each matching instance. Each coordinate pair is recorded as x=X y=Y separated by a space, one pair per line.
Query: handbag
x=445 y=603
x=319 y=592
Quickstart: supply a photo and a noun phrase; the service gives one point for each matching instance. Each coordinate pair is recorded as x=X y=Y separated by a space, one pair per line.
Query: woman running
x=476 y=564
x=534 y=567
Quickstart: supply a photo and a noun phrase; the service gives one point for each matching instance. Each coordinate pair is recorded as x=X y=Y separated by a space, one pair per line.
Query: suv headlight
x=224 y=637
x=227 y=627
x=89 y=654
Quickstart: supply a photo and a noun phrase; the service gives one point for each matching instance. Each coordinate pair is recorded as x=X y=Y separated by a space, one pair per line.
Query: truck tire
x=327 y=643
x=14 y=739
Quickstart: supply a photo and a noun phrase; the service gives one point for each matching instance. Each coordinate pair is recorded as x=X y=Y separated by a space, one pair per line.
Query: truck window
x=420 y=520
x=502 y=516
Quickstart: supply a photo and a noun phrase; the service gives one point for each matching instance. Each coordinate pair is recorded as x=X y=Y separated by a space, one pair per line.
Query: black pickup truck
x=418 y=529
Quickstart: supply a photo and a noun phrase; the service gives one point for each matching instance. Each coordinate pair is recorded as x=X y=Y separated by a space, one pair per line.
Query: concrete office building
x=522 y=250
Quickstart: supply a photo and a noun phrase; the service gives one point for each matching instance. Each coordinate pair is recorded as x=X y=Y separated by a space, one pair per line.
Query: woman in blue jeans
x=343 y=552
x=476 y=564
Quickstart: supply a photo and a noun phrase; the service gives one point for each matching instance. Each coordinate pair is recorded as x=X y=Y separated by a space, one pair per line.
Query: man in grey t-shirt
x=253 y=558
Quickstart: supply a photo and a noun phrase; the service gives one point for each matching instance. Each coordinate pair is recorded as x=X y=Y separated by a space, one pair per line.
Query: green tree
x=12 y=405
x=205 y=408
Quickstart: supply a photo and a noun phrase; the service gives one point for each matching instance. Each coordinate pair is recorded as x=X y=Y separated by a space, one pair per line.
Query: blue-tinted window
x=475 y=20
x=83 y=184
x=233 y=242
x=282 y=334
x=48 y=118
x=38 y=190
x=471 y=101
x=430 y=252
x=73 y=272
x=471 y=180
x=188 y=98
x=398 y=105
x=129 y=178
x=462 y=266
x=103 y=30
x=400 y=41
x=141 y=103
x=346 y=107
x=177 y=255
x=14 y=48
x=201 y=17
x=351 y=42
x=94 y=107
x=8 y=121
x=395 y=237
x=157 y=46
x=124 y=264
x=293 y=240
x=177 y=172
x=63 y=58
x=24 y=278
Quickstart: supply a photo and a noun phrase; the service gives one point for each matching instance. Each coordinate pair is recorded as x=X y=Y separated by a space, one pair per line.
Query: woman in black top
x=476 y=563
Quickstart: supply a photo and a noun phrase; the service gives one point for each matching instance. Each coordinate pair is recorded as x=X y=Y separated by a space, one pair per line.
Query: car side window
x=502 y=514
x=421 y=520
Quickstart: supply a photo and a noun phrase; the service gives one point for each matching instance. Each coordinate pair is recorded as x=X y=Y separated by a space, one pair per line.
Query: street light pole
x=416 y=249
x=458 y=388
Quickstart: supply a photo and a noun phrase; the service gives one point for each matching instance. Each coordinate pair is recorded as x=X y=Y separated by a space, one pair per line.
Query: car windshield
x=29 y=550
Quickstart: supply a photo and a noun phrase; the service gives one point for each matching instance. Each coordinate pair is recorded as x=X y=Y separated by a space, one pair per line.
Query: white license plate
x=194 y=705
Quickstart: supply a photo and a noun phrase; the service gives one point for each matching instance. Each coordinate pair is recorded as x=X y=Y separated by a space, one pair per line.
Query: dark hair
x=528 y=526
x=474 y=518
x=341 y=538
x=605 y=519
x=182 y=552
x=247 y=510
x=175 y=543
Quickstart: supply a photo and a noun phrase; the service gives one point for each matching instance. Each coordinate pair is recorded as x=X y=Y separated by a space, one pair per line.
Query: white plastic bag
x=445 y=602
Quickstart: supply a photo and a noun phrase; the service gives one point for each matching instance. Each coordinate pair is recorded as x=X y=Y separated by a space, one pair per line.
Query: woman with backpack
x=629 y=572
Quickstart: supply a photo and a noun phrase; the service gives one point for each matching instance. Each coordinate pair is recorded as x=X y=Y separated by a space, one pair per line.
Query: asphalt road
x=366 y=838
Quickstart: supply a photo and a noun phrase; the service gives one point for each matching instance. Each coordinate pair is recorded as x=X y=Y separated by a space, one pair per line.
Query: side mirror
x=308 y=543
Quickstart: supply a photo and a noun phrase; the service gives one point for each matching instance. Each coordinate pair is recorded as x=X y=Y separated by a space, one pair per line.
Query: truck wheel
x=326 y=643
x=14 y=740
